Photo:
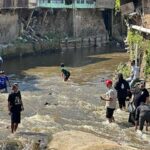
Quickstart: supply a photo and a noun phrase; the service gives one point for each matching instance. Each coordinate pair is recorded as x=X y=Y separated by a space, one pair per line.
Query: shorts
x=15 y=117
x=109 y=112
x=142 y=119
x=66 y=77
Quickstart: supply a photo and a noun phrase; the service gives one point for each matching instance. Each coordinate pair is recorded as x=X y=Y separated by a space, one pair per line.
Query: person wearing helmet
x=110 y=98
x=65 y=72
x=15 y=106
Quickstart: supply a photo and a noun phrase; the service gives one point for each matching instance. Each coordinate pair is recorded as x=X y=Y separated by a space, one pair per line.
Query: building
x=14 y=4
x=83 y=4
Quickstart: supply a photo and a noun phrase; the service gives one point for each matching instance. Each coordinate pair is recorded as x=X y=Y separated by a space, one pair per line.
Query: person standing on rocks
x=65 y=72
x=110 y=98
x=122 y=88
x=135 y=74
x=15 y=106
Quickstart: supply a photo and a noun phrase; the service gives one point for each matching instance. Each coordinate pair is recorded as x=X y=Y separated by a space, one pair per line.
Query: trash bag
x=131 y=107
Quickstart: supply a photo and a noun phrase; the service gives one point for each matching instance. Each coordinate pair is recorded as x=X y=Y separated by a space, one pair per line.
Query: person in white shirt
x=110 y=98
x=135 y=74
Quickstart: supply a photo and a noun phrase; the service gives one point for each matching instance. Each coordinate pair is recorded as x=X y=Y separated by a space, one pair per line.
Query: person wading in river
x=15 y=106
x=142 y=115
x=3 y=82
x=122 y=88
x=140 y=94
x=110 y=98
x=65 y=73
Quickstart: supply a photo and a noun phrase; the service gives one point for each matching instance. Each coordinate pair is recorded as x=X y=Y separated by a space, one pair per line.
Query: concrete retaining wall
x=8 y=27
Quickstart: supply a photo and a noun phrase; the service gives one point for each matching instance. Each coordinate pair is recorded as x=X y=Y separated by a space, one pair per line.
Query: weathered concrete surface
x=77 y=140
x=146 y=19
x=89 y=23
x=47 y=28
x=9 y=28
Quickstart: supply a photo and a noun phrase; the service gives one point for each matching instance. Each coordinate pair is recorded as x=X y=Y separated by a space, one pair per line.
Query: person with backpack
x=122 y=88
x=65 y=72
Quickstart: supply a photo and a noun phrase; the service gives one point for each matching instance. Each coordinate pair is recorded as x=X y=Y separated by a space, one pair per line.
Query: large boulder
x=77 y=140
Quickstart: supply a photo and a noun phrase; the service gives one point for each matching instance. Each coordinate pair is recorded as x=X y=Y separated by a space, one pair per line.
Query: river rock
x=77 y=140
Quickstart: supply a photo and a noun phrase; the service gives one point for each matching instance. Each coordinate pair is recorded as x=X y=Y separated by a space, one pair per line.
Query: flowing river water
x=72 y=105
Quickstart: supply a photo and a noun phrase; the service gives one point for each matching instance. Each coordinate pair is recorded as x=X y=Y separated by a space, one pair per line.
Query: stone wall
x=50 y=26
x=8 y=27
x=89 y=23
x=69 y=23
x=60 y=22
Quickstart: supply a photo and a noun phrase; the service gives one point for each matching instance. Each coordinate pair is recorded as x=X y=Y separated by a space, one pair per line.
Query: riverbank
x=20 y=48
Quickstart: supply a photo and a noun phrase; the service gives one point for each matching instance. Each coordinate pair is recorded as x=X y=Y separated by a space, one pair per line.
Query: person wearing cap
x=110 y=98
x=3 y=81
x=15 y=106
x=122 y=88
x=65 y=72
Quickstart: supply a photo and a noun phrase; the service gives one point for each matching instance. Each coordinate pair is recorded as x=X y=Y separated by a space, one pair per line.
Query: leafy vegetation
x=124 y=69
x=147 y=68
x=143 y=46
x=117 y=6
x=134 y=39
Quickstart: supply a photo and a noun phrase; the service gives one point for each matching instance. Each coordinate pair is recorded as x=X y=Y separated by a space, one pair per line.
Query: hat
x=108 y=82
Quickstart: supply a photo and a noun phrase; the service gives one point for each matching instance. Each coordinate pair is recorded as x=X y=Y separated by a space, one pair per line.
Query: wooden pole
x=29 y=20
x=45 y=15
x=136 y=54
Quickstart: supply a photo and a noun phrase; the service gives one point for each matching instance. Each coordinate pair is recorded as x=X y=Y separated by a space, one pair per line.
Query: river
x=52 y=105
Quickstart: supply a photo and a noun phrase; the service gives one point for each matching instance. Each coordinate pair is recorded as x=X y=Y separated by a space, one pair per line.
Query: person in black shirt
x=142 y=115
x=122 y=88
x=141 y=96
x=15 y=106
x=65 y=73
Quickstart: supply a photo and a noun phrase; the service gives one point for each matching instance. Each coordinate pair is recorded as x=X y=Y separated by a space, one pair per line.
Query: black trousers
x=122 y=102
x=132 y=118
